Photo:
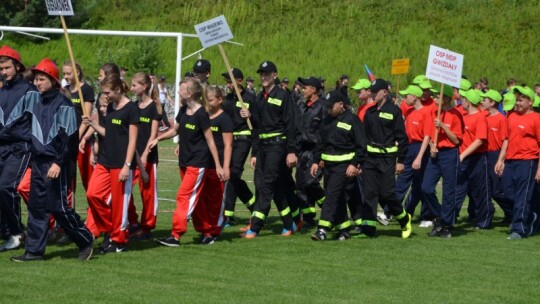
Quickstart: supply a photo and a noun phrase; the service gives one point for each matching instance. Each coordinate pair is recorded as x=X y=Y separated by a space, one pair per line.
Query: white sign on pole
x=213 y=31
x=59 y=7
x=444 y=66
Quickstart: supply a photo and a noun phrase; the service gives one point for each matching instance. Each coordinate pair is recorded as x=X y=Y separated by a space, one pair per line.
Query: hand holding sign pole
x=216 y=31
x=445 y=67
x=64 y=8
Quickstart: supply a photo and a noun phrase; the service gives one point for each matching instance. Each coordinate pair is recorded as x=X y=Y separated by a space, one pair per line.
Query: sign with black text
x=59 y=7
x=213 y=31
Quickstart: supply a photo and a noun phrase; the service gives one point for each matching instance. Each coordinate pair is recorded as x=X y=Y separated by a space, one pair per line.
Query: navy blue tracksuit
x=53 y=122
x=16 y=96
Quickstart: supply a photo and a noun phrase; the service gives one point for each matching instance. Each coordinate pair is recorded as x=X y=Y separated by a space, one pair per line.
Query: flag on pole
x=369 y=73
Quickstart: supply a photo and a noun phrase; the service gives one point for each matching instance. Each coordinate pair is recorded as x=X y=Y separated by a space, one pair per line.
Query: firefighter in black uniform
x=310 y=116
x=342 y=150
x=236 y=186
x=275 y=118
x=386 y=142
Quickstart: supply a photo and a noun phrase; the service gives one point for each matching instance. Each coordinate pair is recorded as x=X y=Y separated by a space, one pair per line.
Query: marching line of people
x=478 y=148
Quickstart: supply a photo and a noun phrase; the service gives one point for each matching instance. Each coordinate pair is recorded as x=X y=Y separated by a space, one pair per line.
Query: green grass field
x=472 y=267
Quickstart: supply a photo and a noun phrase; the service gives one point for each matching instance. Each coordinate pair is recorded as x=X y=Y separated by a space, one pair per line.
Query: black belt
x=272 y=140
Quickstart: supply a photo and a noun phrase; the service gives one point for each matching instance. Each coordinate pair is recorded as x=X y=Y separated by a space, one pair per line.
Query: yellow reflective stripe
x=324 y=223
x=285 y=211
x=251 y=201
x=344 y=225
x=369 y=223
x=337 y=158
x=321 y=200
x=275 y=101
x=245 y=132
x=309 y=210
x=373 y=149
x=402 y=215
x=358 y=222
x=239 y=104
x=268 y=135
x=295 y=212
x=343 y=125
x=259 y=215
x=385 y=115
x=228 y=213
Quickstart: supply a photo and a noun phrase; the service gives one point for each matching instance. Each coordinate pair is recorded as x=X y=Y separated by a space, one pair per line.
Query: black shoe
x=114 y=248
x=106 y=243
x=169 y=241
x=319 y=235
x=64 y=240
x=28 y=257
x=86 y=253
x=208 y=240
x=436 y=231
x=446 y=232
x=342 y=235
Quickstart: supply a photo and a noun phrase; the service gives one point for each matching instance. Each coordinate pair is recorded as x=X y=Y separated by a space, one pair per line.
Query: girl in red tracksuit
x=113 y=176
x=210 y=210
x=197 y=149
x=150 y=112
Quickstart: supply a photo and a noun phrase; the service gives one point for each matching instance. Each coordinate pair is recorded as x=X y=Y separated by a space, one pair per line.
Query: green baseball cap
x=465 y=85
x=412 y=90
x=493 y=95
x=448 y=91
x=536 y=102
x=420 y=78
x=525 y=91
x=362 y=83
x=509 y=100
x=473 y=96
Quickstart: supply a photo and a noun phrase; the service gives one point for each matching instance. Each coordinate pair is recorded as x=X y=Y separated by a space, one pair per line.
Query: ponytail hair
x=195 y=87
x=110 y=68
x=151 y=90
x=77 y=67
x=114 y=82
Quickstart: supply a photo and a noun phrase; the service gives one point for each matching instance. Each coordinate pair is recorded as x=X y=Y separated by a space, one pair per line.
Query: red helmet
x=11 y=53
x=48 y=67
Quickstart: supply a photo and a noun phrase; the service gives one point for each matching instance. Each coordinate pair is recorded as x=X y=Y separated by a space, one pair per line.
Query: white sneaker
x=381 y=218
x=14 y=242
x=425 y=224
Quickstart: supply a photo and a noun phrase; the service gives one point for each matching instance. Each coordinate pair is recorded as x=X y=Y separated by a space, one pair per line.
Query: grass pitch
x=472 y=267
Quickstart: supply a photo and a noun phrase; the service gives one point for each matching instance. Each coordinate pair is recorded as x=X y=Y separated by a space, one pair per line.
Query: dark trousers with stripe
x=236 y=186
x=518 y=182
x=270 y=162
x=287 y=191
x=14 y=160
x=495 y=184
x=412 y=179
x=49 y=196
x=473 y=180
x=354 y=196
x=379 y=186
x=445 y=165
x=336 y=185
x=308 y=188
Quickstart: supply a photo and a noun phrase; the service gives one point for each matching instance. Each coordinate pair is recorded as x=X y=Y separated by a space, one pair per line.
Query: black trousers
x=270 y=162
x=236 y=186
x=336 y=186
x=287 y=191
x=379 y=175
x=308 y=188
x=14 y=160
x=49 y=196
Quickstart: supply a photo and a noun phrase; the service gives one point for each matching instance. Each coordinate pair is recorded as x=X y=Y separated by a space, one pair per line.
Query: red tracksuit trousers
x=110 y=218
x=149 y=199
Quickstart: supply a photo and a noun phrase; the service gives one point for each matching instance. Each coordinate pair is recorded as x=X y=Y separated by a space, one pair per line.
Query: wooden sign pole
x=233 y=80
